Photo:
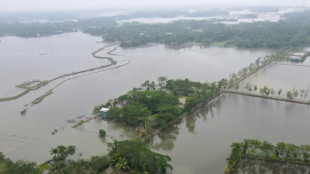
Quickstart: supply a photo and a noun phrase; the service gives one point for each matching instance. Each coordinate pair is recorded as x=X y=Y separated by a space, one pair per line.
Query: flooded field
x=234 y=17
x=199 y=144
x=44 y=58
x=286 y=76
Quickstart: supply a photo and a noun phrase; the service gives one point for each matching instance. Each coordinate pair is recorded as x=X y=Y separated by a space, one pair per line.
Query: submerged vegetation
x=36 y=84
x=39 y=99
x=255 y=149
x=267 y=91
x=27 y=86
x=23 y=112
x=102 y=133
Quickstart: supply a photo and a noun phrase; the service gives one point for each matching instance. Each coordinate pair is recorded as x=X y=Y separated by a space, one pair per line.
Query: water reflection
x=165 y=140
x=190 y=123
x=249 y=166
x=200 y=143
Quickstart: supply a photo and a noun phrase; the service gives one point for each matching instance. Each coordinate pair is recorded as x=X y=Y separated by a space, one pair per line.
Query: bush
x=102 y=133
x=19 y=167
x=99 y=163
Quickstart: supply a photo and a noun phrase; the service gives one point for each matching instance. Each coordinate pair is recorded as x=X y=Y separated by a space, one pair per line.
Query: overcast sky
x=31 y=5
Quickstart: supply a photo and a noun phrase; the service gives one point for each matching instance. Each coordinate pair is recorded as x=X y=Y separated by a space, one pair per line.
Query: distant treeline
x=36 y=29
x=294 y=31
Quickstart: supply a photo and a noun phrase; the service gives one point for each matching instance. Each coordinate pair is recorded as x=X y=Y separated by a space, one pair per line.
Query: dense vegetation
x=37 y=29
x=144 y=107
x=154 y=105
x=19 y=167
x=255 y=149
x=122 y=156
x=249 y=35
x=292 y=32
x=134 y=156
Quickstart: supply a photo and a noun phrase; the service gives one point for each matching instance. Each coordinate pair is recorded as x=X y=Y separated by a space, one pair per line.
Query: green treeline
x=255 y=149
x=37 y=29
x=130 y=155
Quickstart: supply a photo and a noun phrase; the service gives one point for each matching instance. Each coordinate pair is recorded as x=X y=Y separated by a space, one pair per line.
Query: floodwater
x=199 y=144
x=264 y=167
x=166 y=20
x=283 y=75
x=44 y=58
x=234 y=17
x=271 y=17
x=195 y=63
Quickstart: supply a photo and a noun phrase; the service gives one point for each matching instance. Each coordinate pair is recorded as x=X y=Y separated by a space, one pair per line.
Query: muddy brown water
x=199 y=144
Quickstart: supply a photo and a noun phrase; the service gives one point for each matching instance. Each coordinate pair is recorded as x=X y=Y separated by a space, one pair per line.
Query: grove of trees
x=154 y=105
x=255 y=149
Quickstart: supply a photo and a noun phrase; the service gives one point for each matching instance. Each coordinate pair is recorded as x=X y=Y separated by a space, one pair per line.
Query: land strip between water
x=274 y=160
x=266 y=97
x=27 y=85
x=39 y=99
x=249 y=74
x=285 y=64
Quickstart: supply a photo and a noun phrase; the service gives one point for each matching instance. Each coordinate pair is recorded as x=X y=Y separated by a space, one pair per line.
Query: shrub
x=102 y=133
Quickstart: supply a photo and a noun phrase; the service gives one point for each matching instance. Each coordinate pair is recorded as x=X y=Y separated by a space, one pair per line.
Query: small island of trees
x=154 y=105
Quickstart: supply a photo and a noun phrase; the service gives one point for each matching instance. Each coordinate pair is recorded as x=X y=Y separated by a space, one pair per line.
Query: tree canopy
x=133 y=155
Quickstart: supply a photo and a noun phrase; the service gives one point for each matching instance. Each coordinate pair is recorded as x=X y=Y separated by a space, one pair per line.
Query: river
x=198 y=144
